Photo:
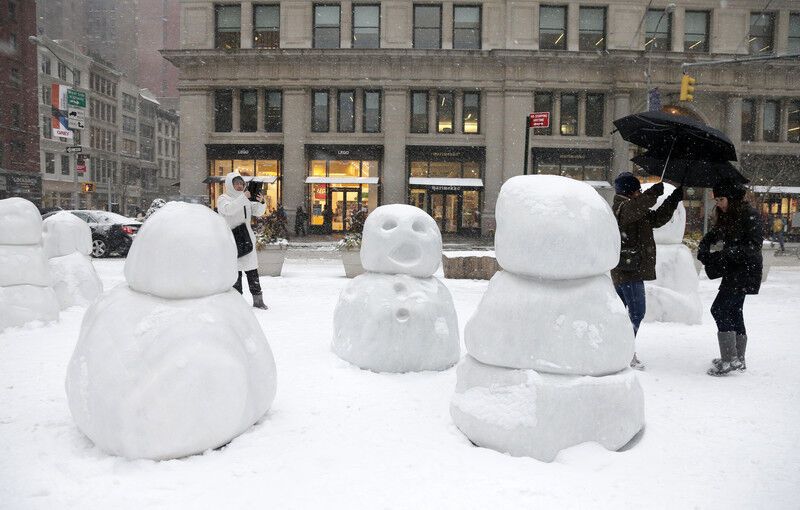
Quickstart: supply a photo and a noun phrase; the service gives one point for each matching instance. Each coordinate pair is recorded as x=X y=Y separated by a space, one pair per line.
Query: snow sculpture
x=25 y=286
x=159 y=377
x=548 y=351
x=68 y=243
x=674 y=295
x=397 y=317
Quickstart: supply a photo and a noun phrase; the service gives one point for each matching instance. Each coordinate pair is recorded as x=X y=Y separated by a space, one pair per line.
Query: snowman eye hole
x=418 y=226
x=389 y=224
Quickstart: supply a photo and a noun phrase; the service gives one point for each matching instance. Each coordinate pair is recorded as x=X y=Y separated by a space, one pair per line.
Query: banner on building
x=59 y=122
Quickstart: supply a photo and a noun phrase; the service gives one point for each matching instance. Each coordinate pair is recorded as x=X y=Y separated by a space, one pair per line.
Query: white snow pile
x=673 y=296
x=25 y=285
x=397 y=317
x=158 y=377
x=68 y=243
x=547 y=364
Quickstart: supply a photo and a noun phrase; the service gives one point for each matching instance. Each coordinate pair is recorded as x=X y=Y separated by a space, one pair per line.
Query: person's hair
x=725 y=220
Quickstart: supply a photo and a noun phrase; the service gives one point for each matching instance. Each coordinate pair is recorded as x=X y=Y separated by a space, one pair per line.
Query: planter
x=351 y=259
x=270 y=259
x=469 y=267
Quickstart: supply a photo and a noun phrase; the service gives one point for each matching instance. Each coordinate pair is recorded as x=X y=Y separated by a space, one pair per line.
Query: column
x=783 y=120
x=555 y=121
x=492 y=124
x=621 y=160
x=447 y=25
x=517 y=105
x=458 y=111
x=346 y=24
x=733 y=120
x=358 y=110
x=573 y=26
x=260 y=110
x=236 y=105
x=395 y=127
x=247 y=25
x=678 y=29
x=432 y=111
x=295 y=129
x=582 y=114
x=195 y=108
x=781 y=37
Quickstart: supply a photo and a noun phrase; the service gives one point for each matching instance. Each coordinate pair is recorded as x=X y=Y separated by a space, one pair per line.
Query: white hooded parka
x=238 y=209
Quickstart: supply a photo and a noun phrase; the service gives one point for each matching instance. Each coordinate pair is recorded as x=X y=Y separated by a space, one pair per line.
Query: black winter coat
x=740 y=262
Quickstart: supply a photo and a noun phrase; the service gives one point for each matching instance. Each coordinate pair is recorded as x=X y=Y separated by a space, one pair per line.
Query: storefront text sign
x=539 y=120
x=445 y=188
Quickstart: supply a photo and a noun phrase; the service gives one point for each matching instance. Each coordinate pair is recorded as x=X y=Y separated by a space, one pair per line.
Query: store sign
x=59 y=122
x=243 y=152
x=445 y=188
x=343 y=153
x=539 y=120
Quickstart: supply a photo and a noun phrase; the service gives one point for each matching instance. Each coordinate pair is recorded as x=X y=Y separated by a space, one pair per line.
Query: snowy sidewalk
x=339 y=437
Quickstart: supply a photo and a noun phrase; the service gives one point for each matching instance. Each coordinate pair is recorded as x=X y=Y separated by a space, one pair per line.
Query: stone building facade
x=346 y=104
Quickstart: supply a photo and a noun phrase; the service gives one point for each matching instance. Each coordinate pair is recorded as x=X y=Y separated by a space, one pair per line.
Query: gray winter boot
x=741 y=346
x=258 y=302
x=727 y=350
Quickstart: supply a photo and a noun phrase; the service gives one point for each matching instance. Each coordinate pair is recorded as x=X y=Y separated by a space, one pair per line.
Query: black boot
x=727 y=351
x=258 y=302
x=741 y=346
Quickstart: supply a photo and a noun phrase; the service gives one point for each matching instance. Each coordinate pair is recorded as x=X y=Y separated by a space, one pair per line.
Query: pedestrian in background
x=300 y=218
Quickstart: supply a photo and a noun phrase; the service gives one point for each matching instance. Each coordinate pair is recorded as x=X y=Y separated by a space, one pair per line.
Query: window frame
x=777 y=124
x=427 y=111
x=557 y=47
x=706 y=46
x=771 y=15
x=414 y=27
x=352 y=120
x=278 y=27
x=793 y=122
x=267 y=127
x=353 y=25
x=750 y=134
x=561 y=117
x=480 y=25
x=653 y=38
x=314 y=27
x=548 y=131
x=253 y=127
x=602 y=119
x=464 y=95
x=217 y=112
x=364 y=111
x=603 y=33
x=452 y=95
x=327 y=93
x=217 y=9
x=794 y=40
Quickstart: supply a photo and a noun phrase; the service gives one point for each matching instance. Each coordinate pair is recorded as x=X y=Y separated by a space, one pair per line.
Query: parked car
x=111 y=232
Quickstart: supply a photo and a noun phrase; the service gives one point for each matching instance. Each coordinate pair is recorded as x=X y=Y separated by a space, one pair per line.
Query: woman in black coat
x=739 y=263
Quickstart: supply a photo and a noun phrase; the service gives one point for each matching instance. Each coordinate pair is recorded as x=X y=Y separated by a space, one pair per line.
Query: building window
x=543 y=102
x=12 y=10
x=128 y=125
x=248 y=110
x=15 y=116
x=319 y=112
x=45 y=94
x=794 y=33
x=427 y=27
x=772 y=116
x=366 y=26
x=326 y=26
x=228 y=35
x=419 y=112
x=15 y=78
x=372 y=111
x=62 y=71
x=552 y=27
x=346 y=111
x=595 y=107
x=695 y=38
x=45 y=64
x=223 y=110
x=266 y=26
x=658 y=27
x=64 y=165
x=472 y=113
x=592 y=29
x=76 y=77
x=748 y=120
x=49 y=163
x=762 y=29
x=794 y=121
x=569 y=115
x=444 y=112
x=466 y=27
x=47 y=130
x=273 y=113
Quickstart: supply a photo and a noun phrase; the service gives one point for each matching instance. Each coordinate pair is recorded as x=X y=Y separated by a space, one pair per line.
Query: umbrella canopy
x=697 y=173
x=675 y=136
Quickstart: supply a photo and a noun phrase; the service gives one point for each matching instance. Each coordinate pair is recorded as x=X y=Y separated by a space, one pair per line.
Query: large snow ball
x=164 y=378
x=401 y=239
x=185 y=251
x=20 y=304
x=396 y=323
x=526 y=413
x=672 y=232
x=561 y=327
x=20 y=222
x=74 y=280
x=554 y=227
x=23 y=265
x=65 y=233
x=673 y=296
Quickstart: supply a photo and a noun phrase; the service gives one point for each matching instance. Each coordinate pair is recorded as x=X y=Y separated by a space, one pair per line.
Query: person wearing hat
x=738 y=226
x=636 y=222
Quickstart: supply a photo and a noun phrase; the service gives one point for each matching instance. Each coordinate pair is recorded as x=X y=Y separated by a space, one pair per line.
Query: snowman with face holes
x=397 y=317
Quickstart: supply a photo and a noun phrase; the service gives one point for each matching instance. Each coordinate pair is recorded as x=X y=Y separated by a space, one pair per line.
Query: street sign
x=539 y=120
x=76 y=114
x=74 y=148
x=76 y=99
x=81 y=167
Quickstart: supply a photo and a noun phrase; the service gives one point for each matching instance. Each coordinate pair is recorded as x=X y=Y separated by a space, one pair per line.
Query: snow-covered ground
x=340 y=437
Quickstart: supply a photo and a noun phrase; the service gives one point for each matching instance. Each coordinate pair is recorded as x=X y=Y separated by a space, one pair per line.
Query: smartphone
x=255 y=189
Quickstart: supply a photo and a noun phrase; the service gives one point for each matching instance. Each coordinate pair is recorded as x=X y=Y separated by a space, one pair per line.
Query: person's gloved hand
x=656 y=189
x=678 y=193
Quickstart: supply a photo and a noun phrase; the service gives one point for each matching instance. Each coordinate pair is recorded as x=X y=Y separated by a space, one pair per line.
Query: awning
x=445 y=181
x=268 y=179
x=786 y=190
x=341 y=180
x=598 y=184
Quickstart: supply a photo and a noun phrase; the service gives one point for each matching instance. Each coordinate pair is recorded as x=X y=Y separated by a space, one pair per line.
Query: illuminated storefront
x=341 y=180
x=262 y=162
x=447 y=183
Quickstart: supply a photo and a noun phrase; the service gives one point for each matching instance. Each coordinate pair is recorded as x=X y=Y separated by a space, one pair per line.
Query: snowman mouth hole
x=406 y=254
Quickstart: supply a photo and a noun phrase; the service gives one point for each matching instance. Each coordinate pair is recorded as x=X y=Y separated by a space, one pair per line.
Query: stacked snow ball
x=67 y=244
x=159 y=377
x=548 y=350
x=674 y=295
x=397 y=317
x=25 y=285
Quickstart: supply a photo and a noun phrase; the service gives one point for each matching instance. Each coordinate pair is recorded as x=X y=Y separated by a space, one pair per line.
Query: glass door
x=444 y=209
x=344 y=203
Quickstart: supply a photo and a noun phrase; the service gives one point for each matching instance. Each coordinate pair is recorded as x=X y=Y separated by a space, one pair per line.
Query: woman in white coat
x=236 y=207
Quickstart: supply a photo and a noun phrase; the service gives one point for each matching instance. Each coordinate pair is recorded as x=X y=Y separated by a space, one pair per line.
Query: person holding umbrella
x=739 y=263
x=637 y=262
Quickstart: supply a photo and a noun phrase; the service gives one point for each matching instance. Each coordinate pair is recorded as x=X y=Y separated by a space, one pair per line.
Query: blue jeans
x=632 y=295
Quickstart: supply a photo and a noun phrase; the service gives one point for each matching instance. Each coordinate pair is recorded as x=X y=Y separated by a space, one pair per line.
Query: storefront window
x=472 y=112
x=344 y=168
x=318 y=168
x=569 y=114
x=419 y=169
x=341 y=197
x=369 y=169
x=266 y=167
x=243 y=166
x=444 y=112
x=248 y=167
x=470 y=210
x=543 y=102
x=472 y=170
x=445 y=169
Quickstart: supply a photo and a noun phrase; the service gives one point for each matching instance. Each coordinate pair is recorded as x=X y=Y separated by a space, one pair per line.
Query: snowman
x=674 y=295
x=172 y=362
x=67 y=245
x=397 y=317
x=25 y=286
x=550 y=343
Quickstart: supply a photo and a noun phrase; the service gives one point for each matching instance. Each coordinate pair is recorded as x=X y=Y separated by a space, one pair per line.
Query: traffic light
x=88 y=187
x=687 y=88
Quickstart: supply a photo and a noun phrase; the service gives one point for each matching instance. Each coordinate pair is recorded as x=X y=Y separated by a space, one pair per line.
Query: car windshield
x=110 y=217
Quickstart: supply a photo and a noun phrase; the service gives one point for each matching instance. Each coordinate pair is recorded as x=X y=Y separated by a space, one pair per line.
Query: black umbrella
x=668 y=136
x=698 y=173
